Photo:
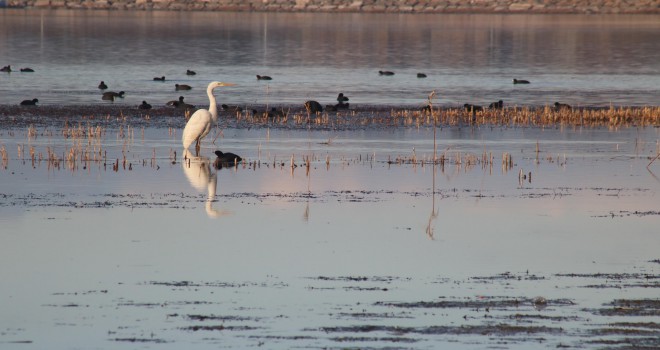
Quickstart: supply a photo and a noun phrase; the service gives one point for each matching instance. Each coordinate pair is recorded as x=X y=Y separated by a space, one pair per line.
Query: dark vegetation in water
x=485 y=330
x=627 y=307
x=140 y=340
x=188 y=201
x=297 y=117
x=482 y=321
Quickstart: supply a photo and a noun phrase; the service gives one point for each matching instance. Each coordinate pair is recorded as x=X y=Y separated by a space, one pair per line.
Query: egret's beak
x=227 y=84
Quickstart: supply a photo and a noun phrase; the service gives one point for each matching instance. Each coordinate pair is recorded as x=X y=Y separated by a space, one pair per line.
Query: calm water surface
x=166 y=255
x=580 y=60
x=362 y=250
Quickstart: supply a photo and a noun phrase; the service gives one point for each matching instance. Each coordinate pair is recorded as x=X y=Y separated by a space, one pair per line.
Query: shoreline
x=354 y=6
x=360 y=117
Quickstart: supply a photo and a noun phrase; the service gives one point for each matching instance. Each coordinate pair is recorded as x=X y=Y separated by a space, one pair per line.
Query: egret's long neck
x=213 y=107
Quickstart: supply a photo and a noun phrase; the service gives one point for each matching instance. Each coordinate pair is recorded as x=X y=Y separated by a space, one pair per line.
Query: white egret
x=201 y=122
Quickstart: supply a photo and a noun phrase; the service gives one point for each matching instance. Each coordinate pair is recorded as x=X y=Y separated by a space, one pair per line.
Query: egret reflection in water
x=202 y=177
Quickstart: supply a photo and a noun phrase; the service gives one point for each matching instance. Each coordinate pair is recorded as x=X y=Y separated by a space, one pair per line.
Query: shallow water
x=580 y=60
x=364 y=250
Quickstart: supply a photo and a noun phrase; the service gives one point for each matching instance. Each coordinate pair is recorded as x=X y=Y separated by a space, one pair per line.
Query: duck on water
x=226 y=159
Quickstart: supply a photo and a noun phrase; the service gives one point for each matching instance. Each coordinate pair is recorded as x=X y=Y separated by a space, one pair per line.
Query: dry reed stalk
x=153 y=158
x=32 y=132
x=307 y=165
x=32 y=155
x=5 y=157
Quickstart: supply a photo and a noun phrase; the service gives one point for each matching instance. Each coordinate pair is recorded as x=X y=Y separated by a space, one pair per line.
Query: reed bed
x=439 y=116
x=357 y=117
x=85 y=137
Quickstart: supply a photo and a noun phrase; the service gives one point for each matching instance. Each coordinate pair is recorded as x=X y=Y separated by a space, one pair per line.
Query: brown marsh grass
x=357 y=117
x=431 y=116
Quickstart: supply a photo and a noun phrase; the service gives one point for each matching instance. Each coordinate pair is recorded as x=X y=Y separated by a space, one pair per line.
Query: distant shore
x=365 y=6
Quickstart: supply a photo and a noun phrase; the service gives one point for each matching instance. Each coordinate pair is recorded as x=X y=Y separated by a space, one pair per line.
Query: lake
x=346 y=234
x=579 y=60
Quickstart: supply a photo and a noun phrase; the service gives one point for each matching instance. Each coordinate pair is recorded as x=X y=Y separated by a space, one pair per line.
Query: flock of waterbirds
x=202 y=121
x=199 y=124
x=311 y=106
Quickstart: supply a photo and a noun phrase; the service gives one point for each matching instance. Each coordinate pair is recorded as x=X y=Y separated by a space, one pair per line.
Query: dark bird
x=263 y=77
x=27 y=70
x=185 y=106
x=275 y=113
x=175 y=103
x=421 y=75
x=6 y=69
x=313 y=107
x=231 y=109
x=337 y=107
x=180 y=104
x=226 y=159
x=178 y=87
x=32 y=102
x=159 y=79
x=559 y=106
x=102 y=85
x=272 y=113
x=341 y=98
x=385 y=72
x=472 y=108
x=111 y=95
x=144 y=105
x=190 y=72
x=496 y=105
x=520 y=81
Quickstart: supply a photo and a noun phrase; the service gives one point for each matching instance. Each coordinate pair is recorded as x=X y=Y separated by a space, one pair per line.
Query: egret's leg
x=197 y=147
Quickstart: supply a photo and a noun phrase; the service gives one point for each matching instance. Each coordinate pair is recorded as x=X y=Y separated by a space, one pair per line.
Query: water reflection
x=203 y=177
x=430 y=227
x=581 y=60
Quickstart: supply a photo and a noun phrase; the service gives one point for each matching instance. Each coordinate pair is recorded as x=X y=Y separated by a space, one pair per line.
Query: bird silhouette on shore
x=111 y=95
x=175 y=103
x=263 y=77
x=472 y=108
x=313 y=107
x=180 y=104
x=32 y=102
x=496 y=105
x=102 y=85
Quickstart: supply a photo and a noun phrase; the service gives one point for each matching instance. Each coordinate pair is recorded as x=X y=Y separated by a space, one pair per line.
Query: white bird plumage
x=201 y=122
